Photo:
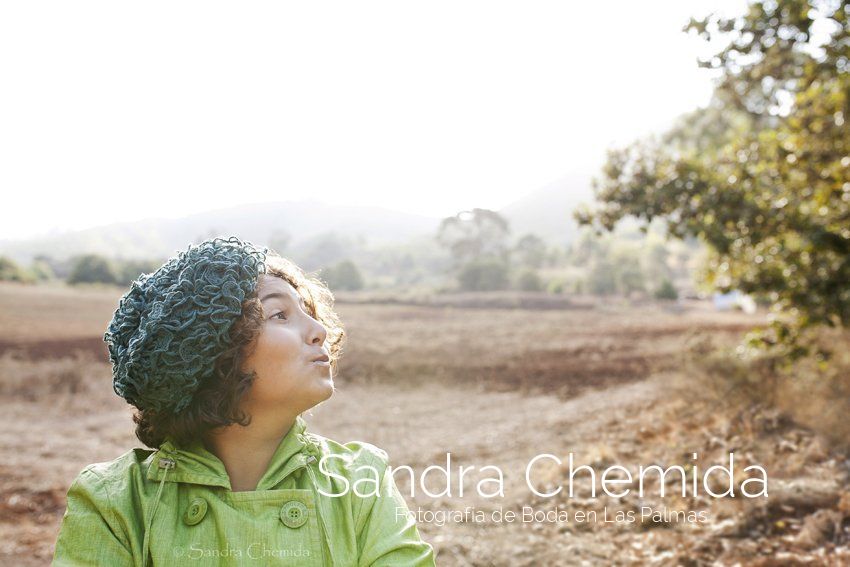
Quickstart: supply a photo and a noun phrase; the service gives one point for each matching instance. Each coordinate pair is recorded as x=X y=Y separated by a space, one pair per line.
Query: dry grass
x=554 y=351
x=470 y=300
x=475 y=379
x=811 y=392
x=54 y=312
x=48 y=379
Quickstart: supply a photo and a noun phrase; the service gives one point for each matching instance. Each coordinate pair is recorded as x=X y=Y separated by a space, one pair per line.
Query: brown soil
x=491 y=386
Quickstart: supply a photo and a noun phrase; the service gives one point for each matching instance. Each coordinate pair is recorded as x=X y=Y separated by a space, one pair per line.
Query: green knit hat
x=171 y=325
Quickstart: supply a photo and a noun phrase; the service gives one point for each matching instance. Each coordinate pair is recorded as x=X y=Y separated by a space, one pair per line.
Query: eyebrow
x=280 y=295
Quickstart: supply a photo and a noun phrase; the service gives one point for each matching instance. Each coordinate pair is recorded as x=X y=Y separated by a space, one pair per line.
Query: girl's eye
x=280 y=315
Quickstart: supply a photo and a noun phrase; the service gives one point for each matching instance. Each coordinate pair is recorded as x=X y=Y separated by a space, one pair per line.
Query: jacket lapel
x=195 y=464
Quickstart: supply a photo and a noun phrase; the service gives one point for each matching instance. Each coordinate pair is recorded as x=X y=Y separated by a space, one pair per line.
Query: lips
x=323 y=358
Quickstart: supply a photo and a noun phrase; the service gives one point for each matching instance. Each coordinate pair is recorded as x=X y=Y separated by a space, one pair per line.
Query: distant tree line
x=97 y=269
x=91 y=268
x=38 y=270
x=485 y=259
x=87 y=268
x=344 y=275
x=472 y=251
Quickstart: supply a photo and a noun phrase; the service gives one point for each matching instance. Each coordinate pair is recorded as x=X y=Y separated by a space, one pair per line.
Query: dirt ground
x=490 y=386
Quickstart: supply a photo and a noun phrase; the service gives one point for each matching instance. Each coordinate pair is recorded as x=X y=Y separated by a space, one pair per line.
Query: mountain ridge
x=545 y=211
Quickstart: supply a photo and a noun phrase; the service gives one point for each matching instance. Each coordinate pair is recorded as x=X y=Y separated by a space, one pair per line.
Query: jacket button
x=293 y=514
x=195 y=512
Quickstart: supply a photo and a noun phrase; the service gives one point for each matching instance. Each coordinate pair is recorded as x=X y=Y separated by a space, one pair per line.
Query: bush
x=12 y=272
x=59 y=269
x=666 y=290
x=529 y=280
x=41 y=270
x=601 y=280
x=345 y=276
x=812 y=391
x=92 y=268
x=555 y=286
x=724 y=375
x=483 y=275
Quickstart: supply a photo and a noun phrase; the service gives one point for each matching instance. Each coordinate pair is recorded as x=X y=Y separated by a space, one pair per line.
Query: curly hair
x=182 y=384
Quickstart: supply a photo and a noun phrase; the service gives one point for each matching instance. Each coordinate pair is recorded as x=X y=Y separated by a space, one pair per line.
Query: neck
x=247 y=450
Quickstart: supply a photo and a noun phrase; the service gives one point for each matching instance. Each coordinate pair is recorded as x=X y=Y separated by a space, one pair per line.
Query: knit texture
x=171 y=325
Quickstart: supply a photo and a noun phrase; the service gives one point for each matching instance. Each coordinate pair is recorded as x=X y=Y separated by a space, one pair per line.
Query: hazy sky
x=113 y=111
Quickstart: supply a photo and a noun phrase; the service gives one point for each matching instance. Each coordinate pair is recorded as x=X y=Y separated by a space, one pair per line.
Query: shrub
x=529 y=280
x=601 y=280
x=41 y=270
x=809 y=391
x=483 y=275
x=345 y=275
x=666 y=290
x=12 y=272
x=92 y=268
x=555 y=286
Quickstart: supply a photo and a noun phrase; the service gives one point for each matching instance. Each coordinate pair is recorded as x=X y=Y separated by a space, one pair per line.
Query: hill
x=259 y=222
x=545 y=211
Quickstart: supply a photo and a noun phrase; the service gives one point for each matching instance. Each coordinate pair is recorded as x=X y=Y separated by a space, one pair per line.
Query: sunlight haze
x=116 y=111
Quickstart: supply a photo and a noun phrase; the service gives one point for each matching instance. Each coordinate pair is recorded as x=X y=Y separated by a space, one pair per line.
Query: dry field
x=490 y=385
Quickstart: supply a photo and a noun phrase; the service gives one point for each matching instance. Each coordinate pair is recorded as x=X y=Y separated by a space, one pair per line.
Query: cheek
x=275 y=350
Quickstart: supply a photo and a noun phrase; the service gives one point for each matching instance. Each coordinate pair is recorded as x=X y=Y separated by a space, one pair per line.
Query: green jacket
x=174 y=506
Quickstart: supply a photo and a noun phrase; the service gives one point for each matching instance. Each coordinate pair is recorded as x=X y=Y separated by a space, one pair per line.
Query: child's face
x=284 y=353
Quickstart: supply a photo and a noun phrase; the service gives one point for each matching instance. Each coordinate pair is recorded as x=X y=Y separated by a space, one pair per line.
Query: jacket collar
x=195 y=464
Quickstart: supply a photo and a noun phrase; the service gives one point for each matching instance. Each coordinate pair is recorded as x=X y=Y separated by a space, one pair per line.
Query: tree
x=60 y=269
x=343 y=275
x=601 y=277
x=666 y=290
x=92 y=268
x=41 y=270
x=475 y=235
x=10 y=271
x=529 y=280
x=477 y=240
x=587 y=247
x=627 y=272
x=325 y=249
x=762 y=175
x=530 y=251
x=654 y=261
x=484 y=275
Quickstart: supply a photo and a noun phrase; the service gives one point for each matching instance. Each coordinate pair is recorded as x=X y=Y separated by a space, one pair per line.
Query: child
x=220 y=351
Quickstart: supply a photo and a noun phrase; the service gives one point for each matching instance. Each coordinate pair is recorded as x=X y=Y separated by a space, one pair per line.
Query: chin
x=327 y=388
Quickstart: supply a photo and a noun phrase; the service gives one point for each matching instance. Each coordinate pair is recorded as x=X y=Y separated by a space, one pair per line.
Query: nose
x=318 y=333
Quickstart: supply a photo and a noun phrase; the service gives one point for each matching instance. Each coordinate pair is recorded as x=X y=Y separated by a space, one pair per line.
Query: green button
x=293 y=514
x=195 y=512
